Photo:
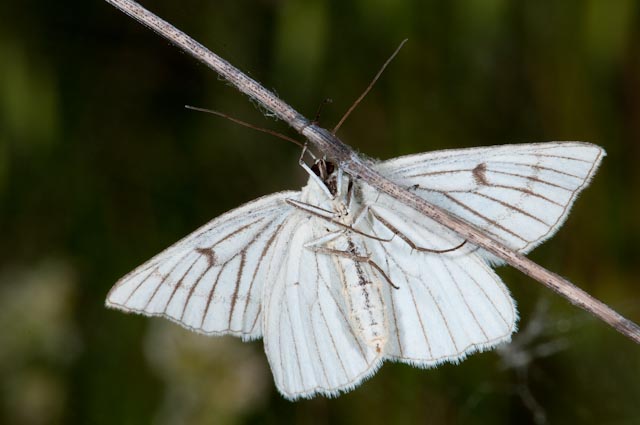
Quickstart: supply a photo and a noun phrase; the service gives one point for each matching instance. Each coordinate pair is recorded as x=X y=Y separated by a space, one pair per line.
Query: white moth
x=338 y=278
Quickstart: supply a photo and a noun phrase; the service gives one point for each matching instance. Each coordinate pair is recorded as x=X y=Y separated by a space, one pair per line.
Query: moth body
x=361 y=286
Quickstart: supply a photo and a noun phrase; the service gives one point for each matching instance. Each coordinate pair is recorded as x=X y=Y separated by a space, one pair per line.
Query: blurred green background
x=101 y=167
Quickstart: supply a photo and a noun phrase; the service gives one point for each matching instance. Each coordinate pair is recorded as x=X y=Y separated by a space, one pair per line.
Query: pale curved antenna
x=368 y=89
x=248 y=125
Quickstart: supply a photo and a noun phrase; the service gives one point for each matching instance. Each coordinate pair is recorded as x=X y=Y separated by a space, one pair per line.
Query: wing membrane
x=519 y=194
x=211 y=281
x=448 y=305
x=309 y=340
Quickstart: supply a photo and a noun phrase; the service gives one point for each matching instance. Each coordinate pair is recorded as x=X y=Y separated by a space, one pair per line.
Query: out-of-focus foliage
x=205 y=378
x=40 y=341
x=101 y=167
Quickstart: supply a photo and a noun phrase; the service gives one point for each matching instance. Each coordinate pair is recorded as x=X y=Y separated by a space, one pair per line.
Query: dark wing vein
x=413 y=298
x=295 y=345
x=462 y=269
x=484 y=217
x=212 y=290
x=530 y=178
x=234 y=297
x=466 y=303
x=179 y=284
x=513 y=207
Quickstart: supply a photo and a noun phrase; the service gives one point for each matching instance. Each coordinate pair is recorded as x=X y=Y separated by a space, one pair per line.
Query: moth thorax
x=343 y=212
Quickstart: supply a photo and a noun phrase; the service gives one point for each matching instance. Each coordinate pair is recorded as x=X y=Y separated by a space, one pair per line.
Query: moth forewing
x=518 y=194
x=212 y=280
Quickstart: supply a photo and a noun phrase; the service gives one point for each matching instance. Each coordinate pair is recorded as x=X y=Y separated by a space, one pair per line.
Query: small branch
x=357 y=167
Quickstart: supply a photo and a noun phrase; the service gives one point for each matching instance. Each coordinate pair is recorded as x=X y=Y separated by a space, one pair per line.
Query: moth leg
x=407 y=240
x=331 y=217
x=361 y=215
x=313 y=209
x=354 y=257
x=312 y=245
x=339 y=176
x=305 y=149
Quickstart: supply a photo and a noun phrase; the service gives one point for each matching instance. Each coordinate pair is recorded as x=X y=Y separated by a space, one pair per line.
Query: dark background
x=101 y=168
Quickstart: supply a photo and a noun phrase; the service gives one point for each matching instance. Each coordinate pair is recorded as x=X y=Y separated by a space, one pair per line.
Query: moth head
x=323 y=169
x=326 y=171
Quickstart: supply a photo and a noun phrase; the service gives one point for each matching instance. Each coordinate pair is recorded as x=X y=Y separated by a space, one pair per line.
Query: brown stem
x=357 y=167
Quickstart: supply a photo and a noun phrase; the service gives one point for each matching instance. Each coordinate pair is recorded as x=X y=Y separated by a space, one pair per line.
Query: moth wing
x=518 y=194
x=448 y=304
x=309 y=339
x=211 y=281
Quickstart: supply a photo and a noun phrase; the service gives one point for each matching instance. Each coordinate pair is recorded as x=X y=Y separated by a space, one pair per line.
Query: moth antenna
x=246 y=124
x=326 y=101
x=359 y=99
